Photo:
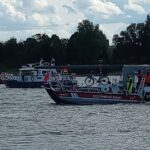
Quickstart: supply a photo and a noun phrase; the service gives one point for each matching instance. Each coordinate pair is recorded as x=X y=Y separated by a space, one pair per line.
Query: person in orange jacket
x=147 y=79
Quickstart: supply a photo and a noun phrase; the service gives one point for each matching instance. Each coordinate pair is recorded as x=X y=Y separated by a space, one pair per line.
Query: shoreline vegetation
x=83 y=71
x=87 y=45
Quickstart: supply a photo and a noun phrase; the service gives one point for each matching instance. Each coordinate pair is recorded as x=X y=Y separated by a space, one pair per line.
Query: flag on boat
x=47 y=76
x=65 y=70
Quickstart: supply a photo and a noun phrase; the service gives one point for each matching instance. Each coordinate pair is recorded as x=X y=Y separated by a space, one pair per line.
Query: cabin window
x=44 y=72
x=39 y=72
x=34 y=73
x=83 y=90
x=93 y=90
x=26 y=73
x=38 y=78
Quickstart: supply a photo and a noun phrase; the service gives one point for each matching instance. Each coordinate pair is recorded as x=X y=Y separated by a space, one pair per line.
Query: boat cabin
x=34 y=74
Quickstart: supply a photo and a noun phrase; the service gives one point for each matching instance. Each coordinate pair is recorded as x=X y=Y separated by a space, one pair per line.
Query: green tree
x=1 y=52
x=146 y=41
x=10 y=52
x=87 y=45
x=128 y=45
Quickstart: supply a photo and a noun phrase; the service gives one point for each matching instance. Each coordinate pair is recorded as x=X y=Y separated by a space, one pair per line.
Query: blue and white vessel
x=32 y=75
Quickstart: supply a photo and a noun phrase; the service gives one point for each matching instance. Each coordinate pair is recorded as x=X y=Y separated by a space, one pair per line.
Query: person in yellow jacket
x=129 y=84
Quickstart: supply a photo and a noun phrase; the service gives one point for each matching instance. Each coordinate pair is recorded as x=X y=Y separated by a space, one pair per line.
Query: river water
x=30 y=120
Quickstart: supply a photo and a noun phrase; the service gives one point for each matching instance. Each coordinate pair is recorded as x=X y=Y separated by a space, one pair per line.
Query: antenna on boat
x=100 y=68
x=41 y=62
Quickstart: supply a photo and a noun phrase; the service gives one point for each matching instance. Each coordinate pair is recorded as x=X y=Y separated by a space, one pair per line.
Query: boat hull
x=20 y=84
x=1 y=82
x=84 y=98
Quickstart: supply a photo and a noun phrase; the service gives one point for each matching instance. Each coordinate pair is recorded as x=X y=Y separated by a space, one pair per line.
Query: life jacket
x=65 y=71
x=147 y=80
x=129 y=85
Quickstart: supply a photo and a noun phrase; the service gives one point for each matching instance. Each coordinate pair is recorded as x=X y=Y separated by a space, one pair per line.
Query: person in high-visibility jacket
x=129 y=84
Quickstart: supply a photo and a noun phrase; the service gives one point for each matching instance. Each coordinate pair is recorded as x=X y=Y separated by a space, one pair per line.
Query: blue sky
x=23 y=18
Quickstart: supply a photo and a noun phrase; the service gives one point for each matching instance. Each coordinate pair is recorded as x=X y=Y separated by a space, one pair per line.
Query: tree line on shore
x=86 y=46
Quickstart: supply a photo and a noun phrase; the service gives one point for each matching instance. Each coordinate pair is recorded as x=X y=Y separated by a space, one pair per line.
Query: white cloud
x=40 y=4
x=40 y=19
x=112 y=28
x=134 y=6
x=106 y=8
x=22 y=35
x=69 y=9
x=103 y=8
x=23 y=18
x=142 y=1
x=128 y=16
x=8 y=8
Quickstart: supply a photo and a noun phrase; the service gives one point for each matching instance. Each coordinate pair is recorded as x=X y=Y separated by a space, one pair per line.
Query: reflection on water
x=30 y=120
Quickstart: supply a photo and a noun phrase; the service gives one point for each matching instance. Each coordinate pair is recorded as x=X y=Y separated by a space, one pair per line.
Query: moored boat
x=3 y=77
x=32 y=76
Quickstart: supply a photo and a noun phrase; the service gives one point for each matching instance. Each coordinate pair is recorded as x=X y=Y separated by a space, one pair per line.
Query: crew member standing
x=53 y=62
x=129 y=84
x=147 y=79
x=139 y=76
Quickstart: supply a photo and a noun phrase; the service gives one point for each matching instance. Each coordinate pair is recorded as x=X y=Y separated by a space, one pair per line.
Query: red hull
x=80 y=97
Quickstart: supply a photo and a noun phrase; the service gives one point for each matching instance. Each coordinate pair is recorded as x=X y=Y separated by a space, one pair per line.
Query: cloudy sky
x=24 y=18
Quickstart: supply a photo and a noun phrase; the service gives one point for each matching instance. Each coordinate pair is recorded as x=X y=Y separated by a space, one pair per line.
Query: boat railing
x=33 y=65
x=63 y=85
x=57 y=85
x=89 y=89
x=14 y=77
x=7 y=76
